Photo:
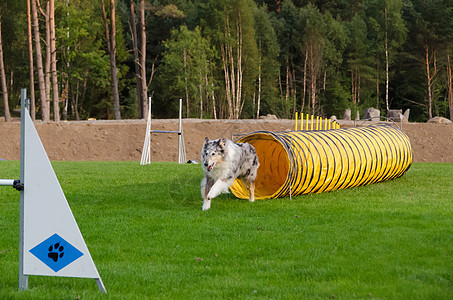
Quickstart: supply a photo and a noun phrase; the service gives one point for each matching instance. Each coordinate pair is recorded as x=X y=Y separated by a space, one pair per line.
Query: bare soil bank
x=123 y=140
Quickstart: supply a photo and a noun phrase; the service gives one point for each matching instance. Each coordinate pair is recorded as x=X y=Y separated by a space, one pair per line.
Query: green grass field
x=149 y=238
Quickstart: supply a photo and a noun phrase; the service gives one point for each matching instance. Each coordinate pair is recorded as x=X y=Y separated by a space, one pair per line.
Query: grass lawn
x=149 y=238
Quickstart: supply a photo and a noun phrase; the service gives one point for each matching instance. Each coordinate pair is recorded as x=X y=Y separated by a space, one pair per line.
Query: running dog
x=223 y=161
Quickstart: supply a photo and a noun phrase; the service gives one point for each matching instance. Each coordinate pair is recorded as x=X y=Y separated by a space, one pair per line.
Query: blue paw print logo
x=56 y=251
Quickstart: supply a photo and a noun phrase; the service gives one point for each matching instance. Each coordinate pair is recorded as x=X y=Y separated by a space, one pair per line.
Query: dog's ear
x=222 y=143
x=206 y=140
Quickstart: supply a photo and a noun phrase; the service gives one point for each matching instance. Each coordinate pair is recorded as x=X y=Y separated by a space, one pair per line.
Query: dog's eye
x=212 y=153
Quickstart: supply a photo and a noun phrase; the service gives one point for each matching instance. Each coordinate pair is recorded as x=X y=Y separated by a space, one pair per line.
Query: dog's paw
x=251 y=200
x=206 y=205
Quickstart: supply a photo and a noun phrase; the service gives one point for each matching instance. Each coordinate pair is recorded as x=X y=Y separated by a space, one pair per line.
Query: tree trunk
x=31 y=63
x=450 y=87
x=386 y=64
x=232 y=80
x=287 y=81
x=312 y=78
x=39 y=66
x=84 y=91
x=2 y=74
x=227 y=80
x=239 y=103
x=53 y=52
x=214 y=111
x=138 y=81
x=200 y=91
x=111 y=48
x=352 y=84
x=259 y=85
x=153 y=70
x=358 y=87
x=47 y=70
x=75 y=101
x=377 y=86
x=184 y=56
x=304 y=81
x=430 y=78
x=64 y=98
x=386 y=78
x=144 y=92
x=355 y=83
x=293 y=85
x=67 y=88
x=116 y=96
x=11 y=80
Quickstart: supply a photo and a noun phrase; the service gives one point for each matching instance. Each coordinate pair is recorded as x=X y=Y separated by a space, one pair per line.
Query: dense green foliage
x=241 y=58
x=149 y=238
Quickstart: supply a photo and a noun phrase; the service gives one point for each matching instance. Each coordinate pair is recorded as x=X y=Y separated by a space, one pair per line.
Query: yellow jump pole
x=301 y=121
x=305 y=162
x=296 y=121
x=311 y=124
x=306 y=124
x=317 y=123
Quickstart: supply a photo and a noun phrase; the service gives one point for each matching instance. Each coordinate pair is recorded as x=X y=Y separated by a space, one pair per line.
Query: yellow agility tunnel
x=304 y=162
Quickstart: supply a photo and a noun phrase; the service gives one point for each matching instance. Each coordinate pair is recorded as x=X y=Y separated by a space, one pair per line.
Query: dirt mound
x=123 y=140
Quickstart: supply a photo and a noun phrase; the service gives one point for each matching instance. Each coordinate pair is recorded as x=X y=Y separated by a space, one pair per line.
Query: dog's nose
x=206 y=164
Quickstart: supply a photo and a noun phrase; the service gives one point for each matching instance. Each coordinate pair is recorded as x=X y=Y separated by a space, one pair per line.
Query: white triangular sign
x=53 y=244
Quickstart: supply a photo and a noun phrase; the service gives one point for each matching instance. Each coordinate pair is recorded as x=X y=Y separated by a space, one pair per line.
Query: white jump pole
x=181 y=145
x=180 y=131
x=146 y=152
x=7 y=182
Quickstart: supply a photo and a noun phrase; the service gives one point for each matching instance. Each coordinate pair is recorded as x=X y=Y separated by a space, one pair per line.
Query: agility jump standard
x=50 y=242
x=304 y=162
x=146 y=153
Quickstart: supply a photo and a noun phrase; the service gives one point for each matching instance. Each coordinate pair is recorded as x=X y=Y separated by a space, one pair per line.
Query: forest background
x=225 y=58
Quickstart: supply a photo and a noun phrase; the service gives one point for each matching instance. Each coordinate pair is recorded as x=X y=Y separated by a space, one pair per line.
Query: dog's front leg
x=206 y=200
x=206 y=185
x=218 y=187
x=206 y=204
